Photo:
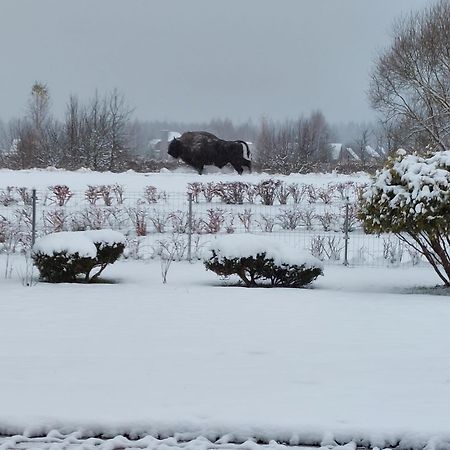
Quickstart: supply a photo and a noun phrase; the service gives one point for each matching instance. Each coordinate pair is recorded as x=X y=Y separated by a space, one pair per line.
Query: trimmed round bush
x=65 y=256
x=260 y=261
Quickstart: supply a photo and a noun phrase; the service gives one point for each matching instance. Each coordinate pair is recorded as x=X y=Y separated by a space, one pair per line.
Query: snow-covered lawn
x=168 y=181
x=363 y=355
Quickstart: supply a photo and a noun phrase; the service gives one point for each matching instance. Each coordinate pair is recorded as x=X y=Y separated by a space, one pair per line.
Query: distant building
x=158 y=147
x=374 y=155
x=339 y=153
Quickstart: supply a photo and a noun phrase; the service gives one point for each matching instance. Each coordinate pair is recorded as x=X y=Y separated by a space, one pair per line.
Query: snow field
x=165 y=180
x=359 y=357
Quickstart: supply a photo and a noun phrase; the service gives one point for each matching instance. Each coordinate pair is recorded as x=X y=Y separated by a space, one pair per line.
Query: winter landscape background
x=345 y=109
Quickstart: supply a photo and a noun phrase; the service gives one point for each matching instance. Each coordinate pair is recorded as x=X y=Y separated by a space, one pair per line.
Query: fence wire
x=150 y=219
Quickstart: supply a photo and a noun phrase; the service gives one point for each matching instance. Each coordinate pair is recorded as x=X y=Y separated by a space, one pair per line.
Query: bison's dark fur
x=199 y=149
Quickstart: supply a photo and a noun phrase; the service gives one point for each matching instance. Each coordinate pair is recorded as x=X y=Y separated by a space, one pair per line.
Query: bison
x=199 y=149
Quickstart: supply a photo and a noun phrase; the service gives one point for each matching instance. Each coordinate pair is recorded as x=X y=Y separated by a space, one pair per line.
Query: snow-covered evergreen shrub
x=258 y=261
x=410 y=197
x=62 y=257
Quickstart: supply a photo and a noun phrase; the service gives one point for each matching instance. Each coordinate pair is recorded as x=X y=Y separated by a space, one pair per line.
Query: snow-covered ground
x=362 y=356
x=169 y=181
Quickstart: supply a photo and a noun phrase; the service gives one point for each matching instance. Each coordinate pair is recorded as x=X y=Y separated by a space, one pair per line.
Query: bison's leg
x=237 y=168
x=200 y=169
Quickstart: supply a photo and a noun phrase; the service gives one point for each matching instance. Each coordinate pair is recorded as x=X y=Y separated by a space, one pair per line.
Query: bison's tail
x=246 y=152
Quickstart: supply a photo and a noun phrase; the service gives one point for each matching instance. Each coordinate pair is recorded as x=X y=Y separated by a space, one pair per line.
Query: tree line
x=409 y=88
x=103 y=135
x=94 y=135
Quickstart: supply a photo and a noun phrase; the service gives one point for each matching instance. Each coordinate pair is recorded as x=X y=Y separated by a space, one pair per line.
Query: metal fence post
x=346 y=238
x=189 y=249
x=33 y=217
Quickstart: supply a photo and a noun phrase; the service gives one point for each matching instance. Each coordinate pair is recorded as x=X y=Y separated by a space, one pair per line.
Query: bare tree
x=320 y=134
x=410 y=85
x=118 y=118
x=293 y=146
x=361 y=142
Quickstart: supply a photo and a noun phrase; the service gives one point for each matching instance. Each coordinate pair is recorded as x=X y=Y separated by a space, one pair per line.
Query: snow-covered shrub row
x=258 y=261
x=141 y=220
x=267 y=192
x=270 y=206
x=272 y=191
x=62 y=257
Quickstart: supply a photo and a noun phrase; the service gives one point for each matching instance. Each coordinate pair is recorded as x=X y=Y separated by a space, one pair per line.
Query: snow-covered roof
x=370 y=151
x=170 y=136
x=352 y=154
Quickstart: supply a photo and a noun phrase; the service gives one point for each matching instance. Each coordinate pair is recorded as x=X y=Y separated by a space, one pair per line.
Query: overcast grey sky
x=193 y=60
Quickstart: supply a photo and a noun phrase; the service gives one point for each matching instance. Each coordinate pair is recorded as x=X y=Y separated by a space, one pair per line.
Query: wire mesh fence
x=322 y=223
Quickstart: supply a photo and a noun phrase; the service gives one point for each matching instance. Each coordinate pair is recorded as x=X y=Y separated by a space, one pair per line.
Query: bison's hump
x=197 y=140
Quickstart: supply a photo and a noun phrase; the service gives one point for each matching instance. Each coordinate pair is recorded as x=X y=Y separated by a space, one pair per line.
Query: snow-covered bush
x=283 y=193
x=246 y=219
x=326 y=247
x=209 y=191
x=138 y=216
x=195 y=189
x=289 y=219
x=297 y=192
x=7 y=196
x=258 y=261
x=214 y=221
x=151 y=194
x=60 y=194
x=62 y=257
x=232 y=193
x=267 y=190
x=411 y=198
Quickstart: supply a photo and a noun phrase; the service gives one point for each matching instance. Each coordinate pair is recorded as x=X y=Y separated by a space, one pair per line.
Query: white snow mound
x=246 y=245
x=81 y=242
